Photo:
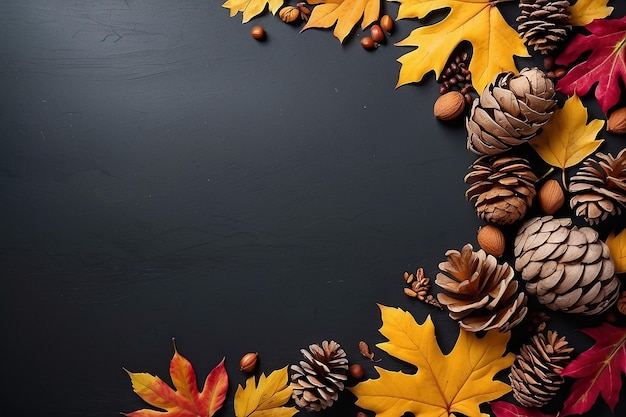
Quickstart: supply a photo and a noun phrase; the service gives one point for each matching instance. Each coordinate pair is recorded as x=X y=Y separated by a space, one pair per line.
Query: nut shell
x=248 y=362
x=449 y=106
x=491 y=240
x=289 y=14
x=617 y=121
x=551 y=197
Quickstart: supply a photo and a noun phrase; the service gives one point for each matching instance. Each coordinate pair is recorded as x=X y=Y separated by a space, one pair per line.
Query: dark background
x=165 y=175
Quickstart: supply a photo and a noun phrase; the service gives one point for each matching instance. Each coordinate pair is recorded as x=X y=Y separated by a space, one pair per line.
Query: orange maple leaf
x=343 y=14
x=186 y=400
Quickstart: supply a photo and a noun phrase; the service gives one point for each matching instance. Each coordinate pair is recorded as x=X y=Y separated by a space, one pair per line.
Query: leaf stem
x=548 y=172
x=563 y=179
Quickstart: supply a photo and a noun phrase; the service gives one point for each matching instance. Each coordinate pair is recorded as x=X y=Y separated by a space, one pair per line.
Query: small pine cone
x=480 y=293
x=501 y=188
x=510 y=111
x=536 y=373
x=544 y=24
x=318 y=379
x=567 y=268
x=599 y=187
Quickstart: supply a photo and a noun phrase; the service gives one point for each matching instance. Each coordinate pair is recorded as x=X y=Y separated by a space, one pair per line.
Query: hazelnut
x=376 y=33
x=386 y=22
x=258 y=33
x=289 y=14
x=449 y=106
x=368 y=43
x=491 y=240
x=356 y=371
x=617 y=121
x=248 y=362
x=551 y=197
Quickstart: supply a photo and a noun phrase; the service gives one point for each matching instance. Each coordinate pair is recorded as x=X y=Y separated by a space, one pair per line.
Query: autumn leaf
x=186 y=401
x=606 y=66
x=345 y=13
x=567 y=139
x=251 y=8
x=504 y=409
x=267 y=398
x=480 y=22
x=584 y=12
x=617 y=246
x=444 y=384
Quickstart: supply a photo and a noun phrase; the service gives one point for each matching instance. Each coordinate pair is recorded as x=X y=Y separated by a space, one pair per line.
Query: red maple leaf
x=598 y=370
x=606 y=65
x=504 y=409
x=186 y=400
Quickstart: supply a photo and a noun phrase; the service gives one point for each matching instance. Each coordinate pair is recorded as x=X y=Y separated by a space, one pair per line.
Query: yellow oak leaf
x=617 y=246
x=585 y=11
x=444 y=384
x=480 y=22
x=567 y=139
x=251 y=8
x=345 y=13
x=265 y=399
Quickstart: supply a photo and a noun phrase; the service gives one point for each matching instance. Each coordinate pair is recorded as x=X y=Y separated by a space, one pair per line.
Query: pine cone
x=544 y=24
x=599 y=187
x=480 y=293
x=510 y=111
x=567 y=268
x=501 y=188
x=536 y=373
x=318 y=379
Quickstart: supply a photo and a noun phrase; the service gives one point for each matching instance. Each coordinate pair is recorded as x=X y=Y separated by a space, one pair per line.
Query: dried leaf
x=504 y=409
x=480 y=22
x=598 y=370
x=251 y=8
x=444 y=384
x=265 y=399
x=365 y=350
x=345 y=13
x=606 y=66
x=567 y=139
x=617 y=246
x=186 y=401
x=584 y=12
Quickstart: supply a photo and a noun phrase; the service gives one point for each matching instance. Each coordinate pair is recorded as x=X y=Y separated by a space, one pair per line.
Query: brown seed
x=289 y=14
x=248 y=362
x=368 y=43
x=449 y=106
x=548 y=62
x=560 y=72
x=491 y=240
x=386 y=22
x=258 y=33
x=356 y=371
x=361 y=414
x=617 y=121
x=377 y=33
x=551 y=197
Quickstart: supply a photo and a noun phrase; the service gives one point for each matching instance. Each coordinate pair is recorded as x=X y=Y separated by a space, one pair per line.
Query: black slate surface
x=165 y=175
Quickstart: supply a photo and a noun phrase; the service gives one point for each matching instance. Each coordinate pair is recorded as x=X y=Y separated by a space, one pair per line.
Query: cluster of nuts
x=291 y=14
x=456 y=76
x=553 y=71
x=377 y=33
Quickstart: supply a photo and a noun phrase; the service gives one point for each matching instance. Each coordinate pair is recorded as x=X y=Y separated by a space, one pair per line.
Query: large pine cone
x=510 y=111
x=501 y=188
x=536 y=373
x=318 y=379
x=599 y=187
x=567 y=268
x=544 y=24
x=480 y=293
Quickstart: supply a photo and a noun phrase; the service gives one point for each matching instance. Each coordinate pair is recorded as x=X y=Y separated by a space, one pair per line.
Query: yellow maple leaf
x=617 y=246
x=567 y=138
x=265 y=399
x=584 y=12
x=345 y=13
x=480 y=22
x=444 y=384
x=251 y=8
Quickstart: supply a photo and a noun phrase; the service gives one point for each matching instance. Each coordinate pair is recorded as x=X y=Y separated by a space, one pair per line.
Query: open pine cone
x=536 y=373
x=510 y=111
x=501 y=188
x=480 y=293
x=544 y=24
x=318 y=379
x=567 y=268
x=599 y=187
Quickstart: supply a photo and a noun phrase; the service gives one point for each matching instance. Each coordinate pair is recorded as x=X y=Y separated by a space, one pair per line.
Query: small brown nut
x=377 y=33
x=258 y=33
x=491 y=240
x=356 y=371
x=289 y=14
x=368 y=43
x=551 y=197
x=386 y=22
x=449 y=106
x=248 y=362
x=617 y=121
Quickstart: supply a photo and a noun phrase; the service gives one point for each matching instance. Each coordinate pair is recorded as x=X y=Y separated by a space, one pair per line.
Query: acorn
x=491 y=240
x=248 y=362
x=551 y=197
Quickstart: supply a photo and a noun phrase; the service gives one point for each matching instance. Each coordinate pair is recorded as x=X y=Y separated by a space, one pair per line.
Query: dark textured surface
x=164 y=175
